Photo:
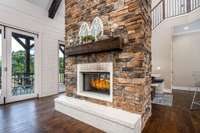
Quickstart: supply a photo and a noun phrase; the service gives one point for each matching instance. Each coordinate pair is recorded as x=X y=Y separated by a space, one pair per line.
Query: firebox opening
x=98 y=82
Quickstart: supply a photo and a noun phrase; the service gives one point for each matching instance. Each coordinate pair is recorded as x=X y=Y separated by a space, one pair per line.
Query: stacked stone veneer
x=131 y=66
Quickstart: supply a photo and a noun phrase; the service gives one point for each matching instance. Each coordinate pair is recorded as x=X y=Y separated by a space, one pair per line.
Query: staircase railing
x=170 y=8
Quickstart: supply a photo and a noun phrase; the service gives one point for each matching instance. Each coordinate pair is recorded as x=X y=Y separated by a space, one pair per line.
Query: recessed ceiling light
x=186 y=28
x=158 y=68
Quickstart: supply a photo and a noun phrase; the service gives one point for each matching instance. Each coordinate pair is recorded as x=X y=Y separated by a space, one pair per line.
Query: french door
x=18 y=65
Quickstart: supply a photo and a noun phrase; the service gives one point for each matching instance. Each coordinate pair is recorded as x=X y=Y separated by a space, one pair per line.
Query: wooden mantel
x=110 y=44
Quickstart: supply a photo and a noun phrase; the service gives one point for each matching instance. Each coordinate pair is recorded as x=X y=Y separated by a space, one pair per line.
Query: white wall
x=162 y=44
x=27 y=16
x=186 y=53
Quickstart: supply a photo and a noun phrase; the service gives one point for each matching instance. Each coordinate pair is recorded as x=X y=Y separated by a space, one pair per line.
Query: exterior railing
x=22 y=83
x=170 y=8
x=22 y=79
x=61 y=78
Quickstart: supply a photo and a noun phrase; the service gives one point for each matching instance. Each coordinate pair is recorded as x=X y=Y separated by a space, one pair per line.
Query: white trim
x=108 y=119
x=167 y=90
x=3 y=74
x=57 y=51
x=18 y=28
x=185 y=88
x=186 y=32
x=20 y=98
x=172 y=59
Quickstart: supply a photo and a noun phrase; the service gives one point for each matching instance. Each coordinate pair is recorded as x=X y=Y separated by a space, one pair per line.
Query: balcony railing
x=22 y=83
x=61 y=78
x=170 y=8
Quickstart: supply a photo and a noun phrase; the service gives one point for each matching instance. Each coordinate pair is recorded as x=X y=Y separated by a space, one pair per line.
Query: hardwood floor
x=175 y=119
x=38 y=116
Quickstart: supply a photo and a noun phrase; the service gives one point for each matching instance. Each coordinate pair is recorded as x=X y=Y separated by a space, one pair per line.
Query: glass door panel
x=21 y=65
x=61 y=68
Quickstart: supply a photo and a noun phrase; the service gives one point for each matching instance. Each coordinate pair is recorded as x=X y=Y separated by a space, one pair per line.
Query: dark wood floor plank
x=38 y=116
x=176 y=119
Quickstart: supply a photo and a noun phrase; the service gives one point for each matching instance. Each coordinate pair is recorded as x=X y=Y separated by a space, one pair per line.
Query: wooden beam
x=27 y=48
x=20 y=42
x=54 y=8
x=28 y=57
x=62 y=50
x=31 y=46
x=23 y=36
x=110 y=44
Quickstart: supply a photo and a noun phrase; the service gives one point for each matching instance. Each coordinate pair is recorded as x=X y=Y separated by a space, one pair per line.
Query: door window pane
x=23 y=54
x=61 y=64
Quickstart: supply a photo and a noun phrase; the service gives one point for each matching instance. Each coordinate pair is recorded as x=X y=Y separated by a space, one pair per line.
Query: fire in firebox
x=100 y=84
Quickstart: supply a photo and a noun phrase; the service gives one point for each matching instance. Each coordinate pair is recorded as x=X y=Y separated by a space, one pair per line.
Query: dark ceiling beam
x=54 y=8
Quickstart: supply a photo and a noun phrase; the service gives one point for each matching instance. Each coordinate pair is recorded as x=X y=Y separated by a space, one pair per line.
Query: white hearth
x=99 y=68
x=107 y=119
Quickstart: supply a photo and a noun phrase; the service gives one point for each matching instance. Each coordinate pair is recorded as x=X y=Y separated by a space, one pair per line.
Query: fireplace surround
x=95 y=80
x=129 y=70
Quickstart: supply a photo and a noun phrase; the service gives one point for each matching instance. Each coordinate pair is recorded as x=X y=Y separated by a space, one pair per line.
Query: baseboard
x=184 y=88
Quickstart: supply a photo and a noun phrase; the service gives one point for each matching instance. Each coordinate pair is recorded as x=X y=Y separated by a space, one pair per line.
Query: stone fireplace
x=114 y=71
x=95 y=80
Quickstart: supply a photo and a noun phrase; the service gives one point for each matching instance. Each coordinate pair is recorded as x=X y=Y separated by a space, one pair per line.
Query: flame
x=100 y=84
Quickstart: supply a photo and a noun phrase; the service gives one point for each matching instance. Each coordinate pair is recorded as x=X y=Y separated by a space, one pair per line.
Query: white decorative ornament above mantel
x=96 y=30
x=84 y=29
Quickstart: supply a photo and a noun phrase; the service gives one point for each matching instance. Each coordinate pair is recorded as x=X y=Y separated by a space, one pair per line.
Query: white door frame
x=4 y=66
x=9 y=97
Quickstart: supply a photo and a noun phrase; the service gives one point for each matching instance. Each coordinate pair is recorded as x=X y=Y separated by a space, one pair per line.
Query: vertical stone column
x=130 y=20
